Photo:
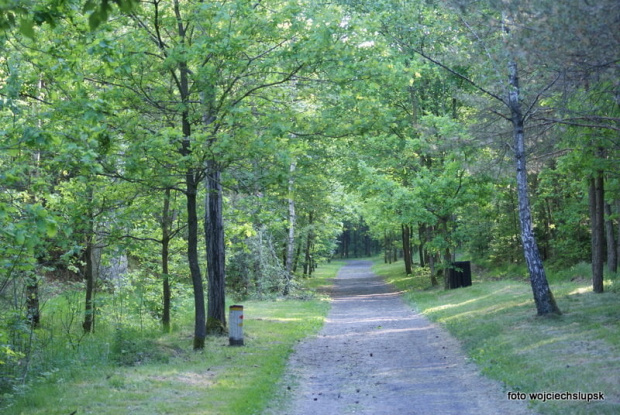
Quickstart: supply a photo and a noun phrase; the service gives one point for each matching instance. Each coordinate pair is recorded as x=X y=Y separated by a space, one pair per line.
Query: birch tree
x=433 y=34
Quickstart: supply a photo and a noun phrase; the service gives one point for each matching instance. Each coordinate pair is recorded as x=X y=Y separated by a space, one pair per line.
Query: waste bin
x=459 y=275
x=236 y=325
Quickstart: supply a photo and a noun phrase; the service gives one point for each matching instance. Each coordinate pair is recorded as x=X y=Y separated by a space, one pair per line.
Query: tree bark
x=89 y=275
x=406 y=237
x=192 y=181
x=290 y=240
x=90 y=272
x=431 y=258
x=612 y=259
x=32 y=281
x=296 y=259
x=344 y=246
x=421 y=235
x=216 y=259
x=543 y=297
x=166 y=224
x=166 y=293
x=447 y=253
x=309 y=241
x=394 y=246
x=617 y=203
x=191 y=192
x=386 y=254
x=597 y=220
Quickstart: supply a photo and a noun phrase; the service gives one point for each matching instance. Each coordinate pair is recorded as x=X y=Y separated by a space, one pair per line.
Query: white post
x=236 y=325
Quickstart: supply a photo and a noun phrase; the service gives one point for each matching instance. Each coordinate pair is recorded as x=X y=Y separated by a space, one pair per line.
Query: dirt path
x=376 y=356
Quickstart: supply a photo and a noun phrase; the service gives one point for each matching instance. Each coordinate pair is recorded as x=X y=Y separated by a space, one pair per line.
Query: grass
x=219 y=380
x=496 y=323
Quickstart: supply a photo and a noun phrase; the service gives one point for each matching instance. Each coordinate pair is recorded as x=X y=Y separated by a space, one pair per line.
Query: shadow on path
x=374 y=355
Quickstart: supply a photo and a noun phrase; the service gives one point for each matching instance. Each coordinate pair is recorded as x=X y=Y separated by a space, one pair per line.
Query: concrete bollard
x=236 y=325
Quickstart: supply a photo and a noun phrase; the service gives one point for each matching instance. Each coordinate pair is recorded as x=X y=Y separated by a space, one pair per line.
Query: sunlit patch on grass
x=275 y=320
x=204 y=379
x=482 y=312
x=447 y=306
x=496 y=322
x=219 y=380
x=580 y=290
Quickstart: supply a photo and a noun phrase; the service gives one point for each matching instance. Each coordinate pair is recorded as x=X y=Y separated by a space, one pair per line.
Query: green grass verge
x=497 y=326
x=219 y=380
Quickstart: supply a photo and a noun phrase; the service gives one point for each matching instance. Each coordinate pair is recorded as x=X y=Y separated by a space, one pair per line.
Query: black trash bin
x=459 y=275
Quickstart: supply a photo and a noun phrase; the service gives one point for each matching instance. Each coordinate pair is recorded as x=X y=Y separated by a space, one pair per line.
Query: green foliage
x=28 y=14
x=101 y=117
x=131 y=347
x=100 y=10
x=255 y=270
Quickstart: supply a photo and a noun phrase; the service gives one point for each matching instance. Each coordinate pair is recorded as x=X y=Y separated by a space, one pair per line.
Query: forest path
x=374 y=355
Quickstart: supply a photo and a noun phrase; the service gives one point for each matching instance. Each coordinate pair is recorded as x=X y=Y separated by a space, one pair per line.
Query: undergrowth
x=130 y=366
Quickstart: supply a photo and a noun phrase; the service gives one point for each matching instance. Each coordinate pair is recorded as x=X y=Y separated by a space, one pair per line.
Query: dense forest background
x=154 y=152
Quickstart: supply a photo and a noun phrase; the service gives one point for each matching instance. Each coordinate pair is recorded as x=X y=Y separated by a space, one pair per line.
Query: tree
x=292 y=219
x=397 y=22
x=27 y=14
x=222 y=60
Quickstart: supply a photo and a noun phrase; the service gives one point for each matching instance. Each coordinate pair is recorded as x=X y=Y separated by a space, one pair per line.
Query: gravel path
x=376 y=356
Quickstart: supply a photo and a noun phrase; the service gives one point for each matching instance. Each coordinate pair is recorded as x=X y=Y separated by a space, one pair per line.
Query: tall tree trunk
x=618 y=232
x=421 y=235
x=597 y=219
x=216 y=259
x=394 y=245
x=166 y=293
x=90 y=274
x=32 y=301
x=309 y=238
x=612 y=259
x=344 y=253
x=386 y=255
x=548 y=228
x=32 y=281
x=166 y=225
x=191 y=192
x=406 y=238
x=543 y=297
x=447 y=254
x=431 y=258
x=296 y=259
x=192 y=181
x=290 y=240
x=447 y=260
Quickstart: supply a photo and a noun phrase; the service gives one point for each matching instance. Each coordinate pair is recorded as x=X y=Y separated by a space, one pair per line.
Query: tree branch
x=452 y=71
x=572 y=122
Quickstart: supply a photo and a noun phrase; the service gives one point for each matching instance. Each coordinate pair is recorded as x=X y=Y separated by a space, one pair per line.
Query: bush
x=130 y=348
